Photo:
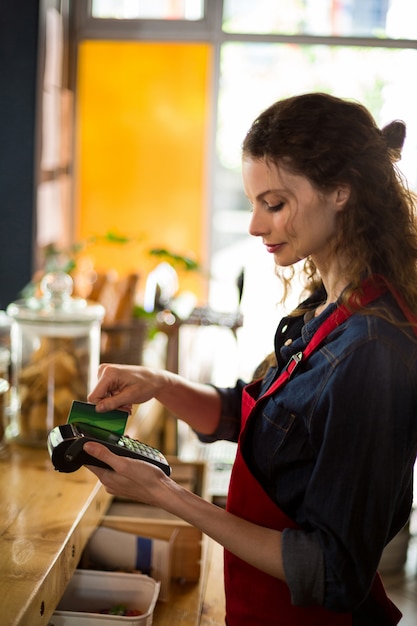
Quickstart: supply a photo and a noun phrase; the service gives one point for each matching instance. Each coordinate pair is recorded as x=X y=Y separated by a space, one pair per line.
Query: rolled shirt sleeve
x=302 y=553
x=229 y=425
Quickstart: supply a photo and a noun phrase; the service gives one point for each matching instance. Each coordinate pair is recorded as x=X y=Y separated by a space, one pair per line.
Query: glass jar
x=55 y=354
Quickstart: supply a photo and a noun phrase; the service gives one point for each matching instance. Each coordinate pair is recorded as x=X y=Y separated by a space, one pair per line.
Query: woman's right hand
x=121 y=386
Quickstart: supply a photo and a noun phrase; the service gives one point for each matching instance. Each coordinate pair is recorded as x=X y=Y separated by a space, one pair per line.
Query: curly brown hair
x=334 y=141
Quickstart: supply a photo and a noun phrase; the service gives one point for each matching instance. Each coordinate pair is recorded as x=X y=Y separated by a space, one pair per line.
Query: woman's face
x=294 y=220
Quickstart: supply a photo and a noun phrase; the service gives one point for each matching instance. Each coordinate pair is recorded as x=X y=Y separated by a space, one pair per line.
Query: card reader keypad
x=141 y=448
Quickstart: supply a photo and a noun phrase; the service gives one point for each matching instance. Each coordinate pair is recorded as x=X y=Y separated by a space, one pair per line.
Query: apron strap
x=372 y=288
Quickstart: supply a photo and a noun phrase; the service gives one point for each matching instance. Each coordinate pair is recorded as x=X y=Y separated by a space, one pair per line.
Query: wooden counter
x=46 y=519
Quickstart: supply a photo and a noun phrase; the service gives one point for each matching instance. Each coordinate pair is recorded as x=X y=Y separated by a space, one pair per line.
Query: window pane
x=348 y=18
x=148 y=9
x=253 y=75
x=137 y=175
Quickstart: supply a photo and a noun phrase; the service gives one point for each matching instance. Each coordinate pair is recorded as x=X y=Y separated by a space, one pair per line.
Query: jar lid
x=56 y=304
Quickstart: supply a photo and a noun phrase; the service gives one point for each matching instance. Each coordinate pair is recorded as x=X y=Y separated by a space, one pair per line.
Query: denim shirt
x=335 y=449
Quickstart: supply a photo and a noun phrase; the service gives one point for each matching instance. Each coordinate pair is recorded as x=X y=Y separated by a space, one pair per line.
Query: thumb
x=100 y=452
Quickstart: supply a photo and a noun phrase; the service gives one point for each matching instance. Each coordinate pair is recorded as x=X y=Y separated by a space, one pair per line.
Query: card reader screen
x=89 y=430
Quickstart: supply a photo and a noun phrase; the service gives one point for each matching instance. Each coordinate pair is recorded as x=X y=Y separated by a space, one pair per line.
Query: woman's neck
x=334 y=285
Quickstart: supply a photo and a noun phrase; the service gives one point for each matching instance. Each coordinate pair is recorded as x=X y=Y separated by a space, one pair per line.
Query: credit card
x=85 y=412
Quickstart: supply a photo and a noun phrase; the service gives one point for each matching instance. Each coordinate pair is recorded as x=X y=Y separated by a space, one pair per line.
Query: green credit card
x=85 y=412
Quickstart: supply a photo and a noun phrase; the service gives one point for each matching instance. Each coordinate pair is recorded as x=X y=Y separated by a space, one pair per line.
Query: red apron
x=254 y=598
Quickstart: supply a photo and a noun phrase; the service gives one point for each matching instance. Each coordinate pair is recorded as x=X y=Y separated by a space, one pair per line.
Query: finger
x=101 y=391
x=109 y=403
x=98 y=471
x=106 y=477
x=100 y=452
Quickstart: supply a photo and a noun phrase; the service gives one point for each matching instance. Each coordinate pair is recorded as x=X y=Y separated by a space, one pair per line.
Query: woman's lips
x=273 y=248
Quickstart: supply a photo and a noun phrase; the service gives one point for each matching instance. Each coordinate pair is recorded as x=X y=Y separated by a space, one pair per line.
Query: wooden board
x=197 y=604
x=147 y=521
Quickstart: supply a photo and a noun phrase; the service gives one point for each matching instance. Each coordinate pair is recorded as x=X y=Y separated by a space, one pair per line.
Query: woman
x=328 y=436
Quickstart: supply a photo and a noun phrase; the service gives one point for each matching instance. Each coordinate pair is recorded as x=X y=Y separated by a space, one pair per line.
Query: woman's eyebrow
x=262 y=195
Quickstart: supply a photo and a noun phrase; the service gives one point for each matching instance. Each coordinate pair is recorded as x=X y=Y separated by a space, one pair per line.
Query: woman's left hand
x=144 y=482
x=131 y=478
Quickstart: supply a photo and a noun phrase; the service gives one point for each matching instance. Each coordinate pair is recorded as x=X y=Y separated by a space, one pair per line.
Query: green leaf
x=180 y=259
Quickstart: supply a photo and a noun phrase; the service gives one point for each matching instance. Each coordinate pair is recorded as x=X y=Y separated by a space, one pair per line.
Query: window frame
x=208 y=29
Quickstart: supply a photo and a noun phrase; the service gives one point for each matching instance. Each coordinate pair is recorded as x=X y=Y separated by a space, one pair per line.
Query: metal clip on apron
x=254 y=598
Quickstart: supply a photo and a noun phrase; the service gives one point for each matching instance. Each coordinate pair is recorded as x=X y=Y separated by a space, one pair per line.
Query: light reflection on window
x=344 y=18
x=255 y=75
x=148 y=9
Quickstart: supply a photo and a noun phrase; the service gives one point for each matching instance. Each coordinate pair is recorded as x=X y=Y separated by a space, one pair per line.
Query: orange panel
x=143 y=120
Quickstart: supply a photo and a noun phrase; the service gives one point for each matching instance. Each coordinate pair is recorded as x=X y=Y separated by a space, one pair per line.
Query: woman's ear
x=342 y=196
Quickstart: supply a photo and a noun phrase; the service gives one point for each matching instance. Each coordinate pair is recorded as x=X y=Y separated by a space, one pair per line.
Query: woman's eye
x=275 y=207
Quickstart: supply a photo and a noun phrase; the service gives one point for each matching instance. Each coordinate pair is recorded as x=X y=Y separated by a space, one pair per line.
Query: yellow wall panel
x=143 y=121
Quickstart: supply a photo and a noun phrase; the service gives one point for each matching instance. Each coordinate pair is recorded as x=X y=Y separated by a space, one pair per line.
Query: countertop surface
x=46 y=519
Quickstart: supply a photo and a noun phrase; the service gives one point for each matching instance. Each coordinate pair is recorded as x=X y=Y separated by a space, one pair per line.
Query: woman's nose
x=258 y=225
